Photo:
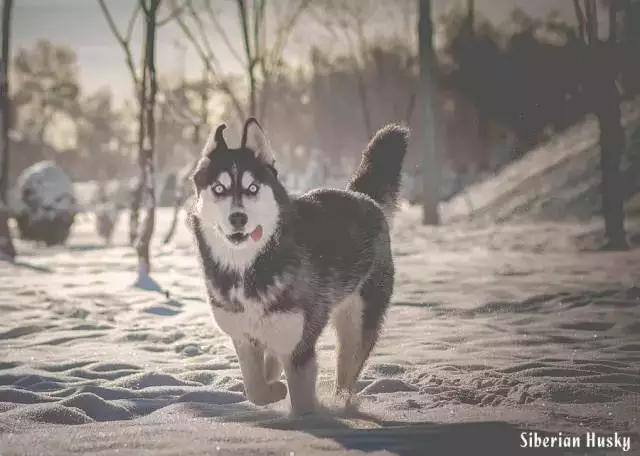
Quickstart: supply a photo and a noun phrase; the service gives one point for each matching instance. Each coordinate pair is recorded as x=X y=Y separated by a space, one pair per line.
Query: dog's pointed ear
x=215 y=142
x=254 y=137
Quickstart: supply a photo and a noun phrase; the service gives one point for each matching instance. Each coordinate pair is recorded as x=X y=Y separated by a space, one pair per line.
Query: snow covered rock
x=46 y=205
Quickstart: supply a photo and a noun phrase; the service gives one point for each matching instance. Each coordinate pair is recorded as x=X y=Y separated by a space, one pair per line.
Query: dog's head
x=238 y=193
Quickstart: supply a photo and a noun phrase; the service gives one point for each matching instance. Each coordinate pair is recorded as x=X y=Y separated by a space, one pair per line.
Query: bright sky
x=81 y=25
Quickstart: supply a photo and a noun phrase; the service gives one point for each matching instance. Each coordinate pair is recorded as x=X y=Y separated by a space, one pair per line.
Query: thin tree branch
x=132 y=22
x=172 y=14
x=258 y=22
x=207 y=59
x=245 y=31
x=146 y=10
x=286 y=29
x=223 y=34
x=244 y=21
x=203 y=35
x=110 y=21
x=207 y=62
x=580 y=19
x=124 y=41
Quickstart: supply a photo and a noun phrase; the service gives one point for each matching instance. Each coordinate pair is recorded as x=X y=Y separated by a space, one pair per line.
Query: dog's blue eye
x=252 y=189
x=219 y=189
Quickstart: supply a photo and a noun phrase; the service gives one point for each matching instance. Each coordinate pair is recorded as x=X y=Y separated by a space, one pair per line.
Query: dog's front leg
x=301 y=372
x=256 y=388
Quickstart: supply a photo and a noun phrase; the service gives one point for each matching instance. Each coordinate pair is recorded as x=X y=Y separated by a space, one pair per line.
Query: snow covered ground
x=493 y=330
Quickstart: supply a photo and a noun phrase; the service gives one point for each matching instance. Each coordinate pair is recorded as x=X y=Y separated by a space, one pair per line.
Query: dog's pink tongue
x=257 y=233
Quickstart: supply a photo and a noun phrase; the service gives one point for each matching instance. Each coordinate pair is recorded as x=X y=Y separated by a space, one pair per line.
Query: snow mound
x=557 y=180
x=97 y=408
x=46 y=204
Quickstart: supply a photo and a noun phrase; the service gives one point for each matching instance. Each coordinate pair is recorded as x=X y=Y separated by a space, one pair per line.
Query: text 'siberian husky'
x=278 y=268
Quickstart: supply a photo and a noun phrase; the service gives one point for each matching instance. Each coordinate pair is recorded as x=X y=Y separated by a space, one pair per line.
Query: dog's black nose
x=238 y=220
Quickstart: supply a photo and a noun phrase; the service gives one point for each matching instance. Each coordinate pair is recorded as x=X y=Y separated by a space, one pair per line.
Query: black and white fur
x=278 y=269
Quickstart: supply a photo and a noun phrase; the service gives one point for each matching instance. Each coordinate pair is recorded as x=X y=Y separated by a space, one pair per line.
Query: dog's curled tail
x=378 y=175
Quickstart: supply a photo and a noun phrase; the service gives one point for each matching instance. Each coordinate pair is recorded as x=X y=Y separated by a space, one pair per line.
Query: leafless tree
x=6 y=245
x=261 y=55
x=261 y=52
x=124 y=40
x=600 y=73
x=431 y=165
x=346 y=21
x=148 y=94
x=191 y=22
x=146 y=88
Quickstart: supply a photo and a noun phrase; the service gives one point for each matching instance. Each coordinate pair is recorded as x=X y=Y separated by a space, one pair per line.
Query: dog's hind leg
x=354 y=344
x=257 y=390
x=347 y=320
x=272 y=368
x=357 y=322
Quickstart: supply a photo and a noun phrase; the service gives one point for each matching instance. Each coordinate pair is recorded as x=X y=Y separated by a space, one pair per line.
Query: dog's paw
x=277 y=391
x=342 y=396
x=305 y=408
x=346 y=400
x=273 y=392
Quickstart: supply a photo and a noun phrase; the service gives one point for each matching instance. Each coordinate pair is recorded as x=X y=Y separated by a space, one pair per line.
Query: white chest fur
x=279 y=332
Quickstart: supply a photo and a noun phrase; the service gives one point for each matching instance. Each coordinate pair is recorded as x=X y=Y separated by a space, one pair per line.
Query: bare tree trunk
x=605 y=97
x=431 y=168
x=600 y=74
x=6 y=244
x=611 y=147
x=147 y=174
x=124 y=40
x=364 y=99
x=136 y=193
x=250 y=52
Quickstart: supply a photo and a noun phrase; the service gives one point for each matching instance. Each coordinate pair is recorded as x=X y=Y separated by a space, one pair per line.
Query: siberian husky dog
x=278 y=269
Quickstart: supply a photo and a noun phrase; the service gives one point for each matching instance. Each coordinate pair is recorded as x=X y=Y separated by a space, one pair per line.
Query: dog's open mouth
x=240 y=237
